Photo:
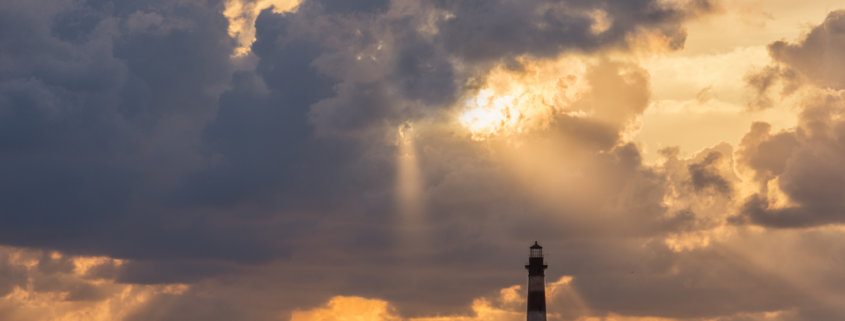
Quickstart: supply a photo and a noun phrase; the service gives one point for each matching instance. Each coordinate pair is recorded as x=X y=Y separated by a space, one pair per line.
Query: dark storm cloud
x=171 y=271
x=99 y=100
x=385 y=63
x=346 y=6
x=491 y=30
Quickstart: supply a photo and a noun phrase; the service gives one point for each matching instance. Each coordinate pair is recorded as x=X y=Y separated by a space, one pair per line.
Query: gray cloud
x=801 y=159
x=805 y=162
x=98 y=113
x=705 y=176
x=814 y=60
x=492 y=30
x=765 y=80
x=818 y=56
x=11 y=276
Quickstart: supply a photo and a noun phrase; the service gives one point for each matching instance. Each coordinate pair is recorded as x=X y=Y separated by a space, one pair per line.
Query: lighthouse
x=536 y=284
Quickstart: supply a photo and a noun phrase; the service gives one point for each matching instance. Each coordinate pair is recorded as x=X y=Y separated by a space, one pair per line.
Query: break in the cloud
x=392 y=159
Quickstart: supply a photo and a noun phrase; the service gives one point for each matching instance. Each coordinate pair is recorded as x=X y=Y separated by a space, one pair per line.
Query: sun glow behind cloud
x=513 y=101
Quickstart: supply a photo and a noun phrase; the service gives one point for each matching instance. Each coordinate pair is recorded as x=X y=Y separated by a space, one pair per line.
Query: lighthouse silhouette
x=536 y=284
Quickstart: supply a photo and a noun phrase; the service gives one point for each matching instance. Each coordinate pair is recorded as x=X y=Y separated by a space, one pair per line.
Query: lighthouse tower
x=536 y=284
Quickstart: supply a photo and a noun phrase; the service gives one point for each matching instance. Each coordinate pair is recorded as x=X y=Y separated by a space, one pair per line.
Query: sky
x=393 y=160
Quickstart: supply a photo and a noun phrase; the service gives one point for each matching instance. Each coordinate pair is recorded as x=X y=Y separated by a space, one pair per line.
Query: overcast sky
x=387 y=160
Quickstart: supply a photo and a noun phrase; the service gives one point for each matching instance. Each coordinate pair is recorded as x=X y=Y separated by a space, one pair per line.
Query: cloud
x=133 y=122
x=105 y=107
x=800 y=165
x=52 y=286
x=813 y=60
x=241 y=15
x=178 y=183
x=491 y=30
x=348 y=308
x=703 y=176
x=817 y=55
x=765 y=80
x=794 y=168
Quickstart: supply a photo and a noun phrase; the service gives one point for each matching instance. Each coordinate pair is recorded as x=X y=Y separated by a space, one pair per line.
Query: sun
x=517 y=101
x=487 y=115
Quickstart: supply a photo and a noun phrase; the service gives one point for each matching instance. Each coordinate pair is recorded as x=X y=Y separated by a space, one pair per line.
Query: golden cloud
x=67 y=291
x=242 y=14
